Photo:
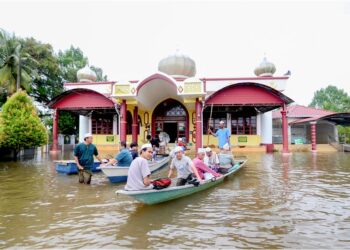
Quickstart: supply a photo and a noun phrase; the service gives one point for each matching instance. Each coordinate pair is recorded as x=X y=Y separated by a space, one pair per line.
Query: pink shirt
x=202 y=168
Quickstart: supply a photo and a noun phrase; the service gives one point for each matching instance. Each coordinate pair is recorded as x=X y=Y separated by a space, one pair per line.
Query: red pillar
x=123 y=121
x=135 y=125
x=313 y=136
x=284 y=130
x=198 y=124
x=55 y=131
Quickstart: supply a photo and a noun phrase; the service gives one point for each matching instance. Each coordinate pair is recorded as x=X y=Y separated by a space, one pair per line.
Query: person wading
x=84 y=157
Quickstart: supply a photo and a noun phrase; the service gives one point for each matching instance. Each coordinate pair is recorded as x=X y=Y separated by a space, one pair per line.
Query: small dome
x=178 y=65
x=86 y=75
x=265 y=68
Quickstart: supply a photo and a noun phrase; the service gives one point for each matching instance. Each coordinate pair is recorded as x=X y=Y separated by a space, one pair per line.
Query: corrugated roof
x=299 y=111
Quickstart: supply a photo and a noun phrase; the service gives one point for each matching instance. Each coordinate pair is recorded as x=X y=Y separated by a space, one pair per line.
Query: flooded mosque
x=176 y=101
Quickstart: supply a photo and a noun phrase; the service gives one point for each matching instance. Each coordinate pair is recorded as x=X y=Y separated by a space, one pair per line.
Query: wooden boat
x=70 y=167
x=153 y=196
x=117 y=174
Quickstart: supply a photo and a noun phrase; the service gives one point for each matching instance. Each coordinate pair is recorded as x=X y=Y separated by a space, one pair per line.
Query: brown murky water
x=300 y=201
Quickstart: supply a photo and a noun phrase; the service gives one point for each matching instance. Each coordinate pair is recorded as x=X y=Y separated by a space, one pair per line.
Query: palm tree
x=13 y=64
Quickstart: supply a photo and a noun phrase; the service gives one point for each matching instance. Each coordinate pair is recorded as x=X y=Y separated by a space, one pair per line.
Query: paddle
x=211 y=111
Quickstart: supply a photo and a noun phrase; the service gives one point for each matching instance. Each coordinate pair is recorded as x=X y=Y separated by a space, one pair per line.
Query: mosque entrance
x=170 y=116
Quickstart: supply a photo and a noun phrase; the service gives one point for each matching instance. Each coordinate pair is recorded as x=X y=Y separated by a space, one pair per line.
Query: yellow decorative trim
x=189 y=100
x=122 y=89
x=192 y=87
x=131 y=102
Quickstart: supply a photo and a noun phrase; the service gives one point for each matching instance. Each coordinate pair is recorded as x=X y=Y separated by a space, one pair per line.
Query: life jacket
x=161 y=183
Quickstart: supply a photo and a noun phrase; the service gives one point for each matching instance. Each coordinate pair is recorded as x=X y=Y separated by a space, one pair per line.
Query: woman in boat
x=123 y=159
x=184 y=167
x=204 y=171
x=139 y=172
x=226 y=159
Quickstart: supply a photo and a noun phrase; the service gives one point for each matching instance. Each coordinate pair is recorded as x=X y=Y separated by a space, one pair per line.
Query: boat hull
x=120 y=174
x=70 y=167
x=152 y=196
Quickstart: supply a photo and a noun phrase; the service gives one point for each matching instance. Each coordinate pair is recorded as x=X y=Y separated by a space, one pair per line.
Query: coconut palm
x=13 y=64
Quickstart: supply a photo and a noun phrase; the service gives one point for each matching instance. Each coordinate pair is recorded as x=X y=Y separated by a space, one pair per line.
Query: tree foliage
x=71 y=61
x=331 y=98
x=20 y=126
x=337 y=100
x=67 y=123
x=12 y=57
x=47 y=82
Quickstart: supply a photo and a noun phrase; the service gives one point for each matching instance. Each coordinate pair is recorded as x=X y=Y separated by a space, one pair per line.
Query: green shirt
x=85 y=154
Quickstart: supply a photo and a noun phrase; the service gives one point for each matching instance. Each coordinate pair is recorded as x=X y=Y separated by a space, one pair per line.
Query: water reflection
x=295 y=201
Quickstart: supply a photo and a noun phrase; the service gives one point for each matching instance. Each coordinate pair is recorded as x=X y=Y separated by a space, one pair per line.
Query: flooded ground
x=299 y=201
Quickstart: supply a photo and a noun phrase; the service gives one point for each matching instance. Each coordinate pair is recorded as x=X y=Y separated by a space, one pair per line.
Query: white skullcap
x=207 y=149
x=178 y=149
x=146 y=146
x=87 y=135
x=222 y=122
x=201 y=150
x=226 y=146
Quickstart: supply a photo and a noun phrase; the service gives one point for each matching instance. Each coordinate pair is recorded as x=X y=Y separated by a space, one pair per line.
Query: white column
x=290 y=134
x=258 y=124
x=336 y=136
x=228 y=123
x=115 y=124
x=90 y=124
x=266 y=128
x=83 y=127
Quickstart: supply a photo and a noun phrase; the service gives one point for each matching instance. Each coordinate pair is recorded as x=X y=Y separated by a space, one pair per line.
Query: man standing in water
x=84 y=157
x=222 y=133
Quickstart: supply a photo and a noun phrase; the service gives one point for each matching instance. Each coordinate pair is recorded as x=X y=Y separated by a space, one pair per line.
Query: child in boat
x=184 y=167
x=226 y=159
x=202 y=168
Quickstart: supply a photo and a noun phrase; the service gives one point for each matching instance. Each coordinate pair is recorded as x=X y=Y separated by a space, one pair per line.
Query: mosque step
x=307 y=148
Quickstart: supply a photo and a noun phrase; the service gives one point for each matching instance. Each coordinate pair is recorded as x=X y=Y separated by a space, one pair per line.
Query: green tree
x=48 y=80
x=20 y=126
x=331 y=98
x=337 y=100
x=14 y=70
x=71 y=61
x=99 y=74
x=67 y=123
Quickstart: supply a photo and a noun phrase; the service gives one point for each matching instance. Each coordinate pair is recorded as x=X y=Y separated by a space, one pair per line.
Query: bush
x=20 y=125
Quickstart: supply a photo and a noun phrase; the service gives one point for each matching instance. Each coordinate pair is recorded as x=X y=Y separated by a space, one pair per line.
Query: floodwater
x=298 y=201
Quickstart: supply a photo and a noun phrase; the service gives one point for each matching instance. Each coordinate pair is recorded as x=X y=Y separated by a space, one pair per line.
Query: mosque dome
x=178 y=65
x=265 y=68
x=86 y=74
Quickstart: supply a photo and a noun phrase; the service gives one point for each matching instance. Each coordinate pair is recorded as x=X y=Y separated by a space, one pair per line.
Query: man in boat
x=226 y=159
x=184 y=167
x=203 y=170
x=123 y=158
x=134 y=150
x=84 y=158
x=181 y=143
x=223 y=134
x=211 y=159
x=139 y=172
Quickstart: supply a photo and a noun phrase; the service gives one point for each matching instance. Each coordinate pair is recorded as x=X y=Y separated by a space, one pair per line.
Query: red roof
x=299 y=111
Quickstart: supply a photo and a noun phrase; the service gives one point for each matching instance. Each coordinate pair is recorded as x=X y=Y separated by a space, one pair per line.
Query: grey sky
x=226 y=39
